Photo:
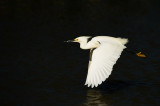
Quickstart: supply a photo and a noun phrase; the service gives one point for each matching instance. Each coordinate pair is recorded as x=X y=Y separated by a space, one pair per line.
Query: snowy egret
x=104 y=52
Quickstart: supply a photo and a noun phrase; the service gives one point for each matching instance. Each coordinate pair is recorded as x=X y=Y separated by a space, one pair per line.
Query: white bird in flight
x=104 y=52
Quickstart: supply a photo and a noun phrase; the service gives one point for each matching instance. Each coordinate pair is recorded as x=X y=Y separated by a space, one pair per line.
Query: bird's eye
x=75 y=39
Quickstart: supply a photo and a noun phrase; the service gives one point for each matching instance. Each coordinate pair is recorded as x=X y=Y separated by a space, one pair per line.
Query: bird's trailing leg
x=139 y=54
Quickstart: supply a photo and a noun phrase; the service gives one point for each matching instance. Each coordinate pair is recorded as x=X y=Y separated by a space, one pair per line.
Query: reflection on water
x=126 y=92
x=94 y=98
x=103 y=95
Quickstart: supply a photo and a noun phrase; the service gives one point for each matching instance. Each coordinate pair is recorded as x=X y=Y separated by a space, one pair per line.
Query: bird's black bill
x=69 y=41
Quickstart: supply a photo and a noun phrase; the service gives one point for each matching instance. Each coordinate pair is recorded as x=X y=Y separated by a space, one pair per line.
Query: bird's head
x=79 y=39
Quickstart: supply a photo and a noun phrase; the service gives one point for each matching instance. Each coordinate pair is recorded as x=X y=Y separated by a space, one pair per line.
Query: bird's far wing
x=90 y=56
x=103 y=59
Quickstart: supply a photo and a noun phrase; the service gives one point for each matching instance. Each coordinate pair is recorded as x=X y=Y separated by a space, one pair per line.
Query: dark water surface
x=38 y=69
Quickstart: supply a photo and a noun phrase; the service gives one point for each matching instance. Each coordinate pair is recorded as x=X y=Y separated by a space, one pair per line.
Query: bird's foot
x=141 y=55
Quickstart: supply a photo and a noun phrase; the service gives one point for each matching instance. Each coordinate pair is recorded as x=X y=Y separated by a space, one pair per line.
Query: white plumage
x=105 y=51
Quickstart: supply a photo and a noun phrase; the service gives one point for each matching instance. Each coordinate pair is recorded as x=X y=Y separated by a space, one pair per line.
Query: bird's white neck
x=83 y=45
x=89 y=45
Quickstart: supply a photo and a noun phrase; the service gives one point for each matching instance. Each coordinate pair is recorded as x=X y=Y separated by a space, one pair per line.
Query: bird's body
x=104 y=52
x=94 y=42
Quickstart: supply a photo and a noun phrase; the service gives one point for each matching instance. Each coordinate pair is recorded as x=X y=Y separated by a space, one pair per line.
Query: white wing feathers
x=103 y=59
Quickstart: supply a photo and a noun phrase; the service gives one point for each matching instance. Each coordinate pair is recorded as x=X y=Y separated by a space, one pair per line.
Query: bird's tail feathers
x=123 y=40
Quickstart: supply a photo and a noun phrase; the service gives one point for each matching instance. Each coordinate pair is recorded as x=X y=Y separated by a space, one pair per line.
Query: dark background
x=38 y=68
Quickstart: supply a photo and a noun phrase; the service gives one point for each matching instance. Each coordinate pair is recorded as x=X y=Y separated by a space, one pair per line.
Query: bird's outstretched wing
x=102 y=61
